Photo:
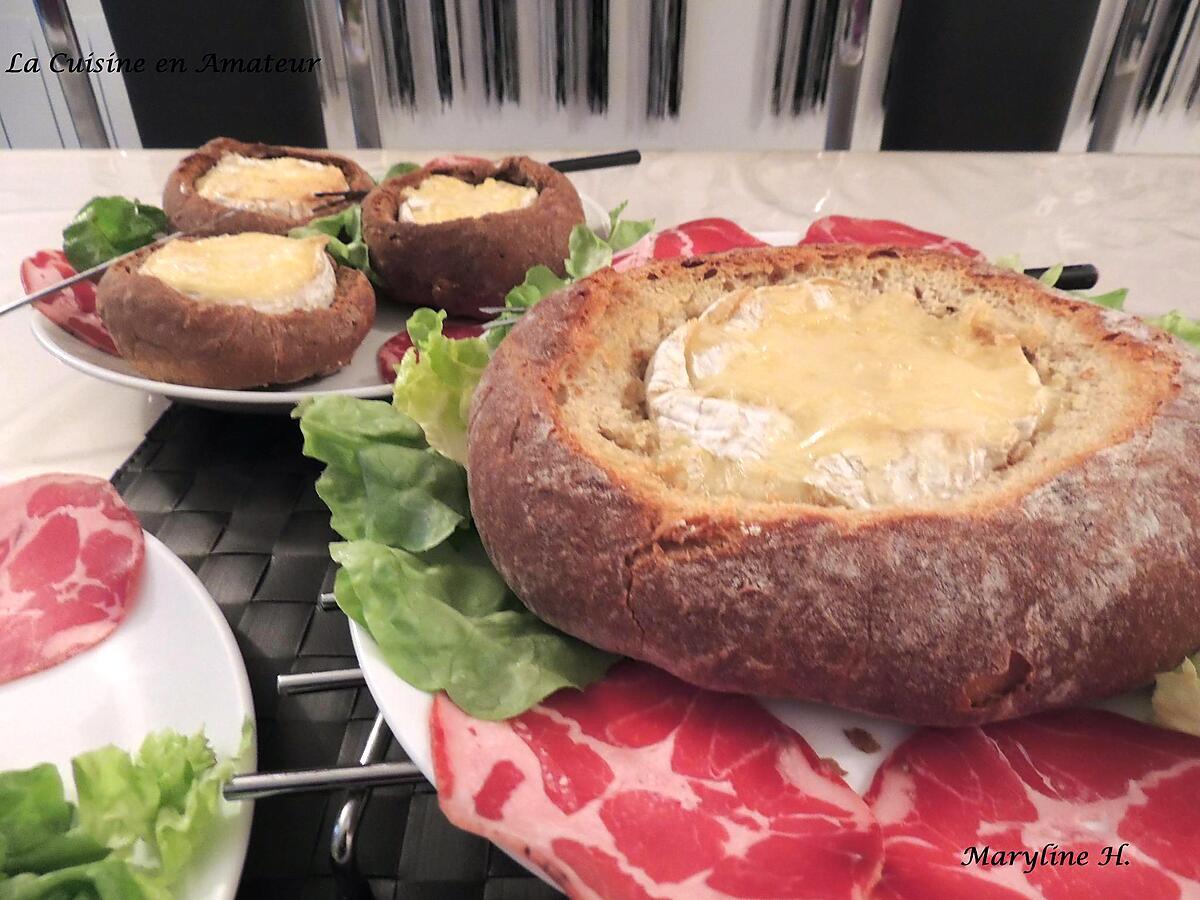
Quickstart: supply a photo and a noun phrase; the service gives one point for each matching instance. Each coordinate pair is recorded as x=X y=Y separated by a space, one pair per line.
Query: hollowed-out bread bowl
x=1066 y=575
x=464 y=264
x=192 y=213
x=168 y=336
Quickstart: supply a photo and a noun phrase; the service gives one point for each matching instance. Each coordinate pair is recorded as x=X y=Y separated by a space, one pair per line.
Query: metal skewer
x=304 y=781
x=311 y=682
x=371 y=771
x=80 y=276
x=345 y=827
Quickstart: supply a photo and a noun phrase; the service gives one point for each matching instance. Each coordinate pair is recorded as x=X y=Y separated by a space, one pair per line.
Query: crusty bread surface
x=193 y=214
x=1067 y=574
x=463 y=264
x=167 y=336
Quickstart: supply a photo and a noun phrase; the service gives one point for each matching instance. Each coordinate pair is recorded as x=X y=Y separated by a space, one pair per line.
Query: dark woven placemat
x=233 y=497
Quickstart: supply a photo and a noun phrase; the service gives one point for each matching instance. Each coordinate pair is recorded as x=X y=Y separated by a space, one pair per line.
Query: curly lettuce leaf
x=446 y=621
x=154 y=810
x=400 y=168
x=1114 y=299
x=413 y=571
x=343 y=239
x=1176 y=699
x=140 y=820
x=1051 y=275
x=624 y=233
x=436 y=380
x=1179 y=325
x=107 y=227
x=588 y=252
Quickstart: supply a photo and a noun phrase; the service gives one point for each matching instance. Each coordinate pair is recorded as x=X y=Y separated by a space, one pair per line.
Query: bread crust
x=168 y=336
x=464 y=264
x=1070 y=581
x=196 y=215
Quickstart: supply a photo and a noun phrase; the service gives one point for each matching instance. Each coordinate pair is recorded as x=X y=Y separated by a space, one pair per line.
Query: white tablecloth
x=1136 y=217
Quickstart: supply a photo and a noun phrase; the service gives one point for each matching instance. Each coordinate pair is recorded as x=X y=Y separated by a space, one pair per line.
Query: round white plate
x=360 y=378
x=172 y=663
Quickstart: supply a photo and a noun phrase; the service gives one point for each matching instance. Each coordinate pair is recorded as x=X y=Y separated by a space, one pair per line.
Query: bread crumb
x=862 y=739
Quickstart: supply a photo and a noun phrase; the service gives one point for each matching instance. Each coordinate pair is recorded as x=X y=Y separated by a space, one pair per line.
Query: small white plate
x=172 y=663
x=360 y=378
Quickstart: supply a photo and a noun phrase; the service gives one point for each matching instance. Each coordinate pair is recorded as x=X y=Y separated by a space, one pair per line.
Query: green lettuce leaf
x=400 y=168
x=140 y=821
x=1179 y=325
x=413 y=571
x=337 y=427
x=446 y=621
x=33 y=809
x=588 y=252
x=624 y=233
x=434 y=384
x=59 y=851
x=1176 y=697
x=107 y=879
x=107 y=227
x=415 y=499
x=343 y=239
x=1051 y=275
x=1112 y=299
x=154 y=810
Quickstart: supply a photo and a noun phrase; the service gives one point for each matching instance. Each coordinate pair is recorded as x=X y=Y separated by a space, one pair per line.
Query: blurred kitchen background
x=1070 y=75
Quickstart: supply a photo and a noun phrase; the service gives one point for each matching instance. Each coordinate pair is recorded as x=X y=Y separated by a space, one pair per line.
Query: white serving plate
x=172 y=663
x=360 y=378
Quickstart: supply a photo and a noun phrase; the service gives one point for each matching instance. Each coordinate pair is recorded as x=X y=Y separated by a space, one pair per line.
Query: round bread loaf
x=463 y=264
x=194 y=214
x=168 y=336
x=1066 y=574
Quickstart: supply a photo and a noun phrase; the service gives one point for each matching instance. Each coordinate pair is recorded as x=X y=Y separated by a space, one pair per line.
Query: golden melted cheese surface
x=283 y=184
x=268 y=272
x=862 y=398
x=443 y=198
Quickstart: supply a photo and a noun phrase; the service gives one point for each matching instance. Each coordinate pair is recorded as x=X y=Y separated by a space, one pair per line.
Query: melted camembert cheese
x=268 y=272
x=281 y=184
x=443 y=198
x=817 y=390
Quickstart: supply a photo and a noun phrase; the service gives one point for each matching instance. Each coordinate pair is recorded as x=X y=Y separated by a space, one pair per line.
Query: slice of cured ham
x=643 y=787
x=70 y=557
x=688 y=239
x=393 y=349
x=1077 y=781
x=72 y=309
x=851 y=230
